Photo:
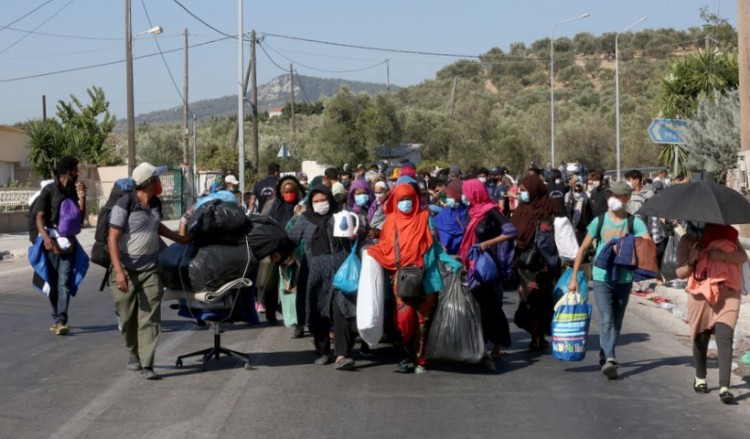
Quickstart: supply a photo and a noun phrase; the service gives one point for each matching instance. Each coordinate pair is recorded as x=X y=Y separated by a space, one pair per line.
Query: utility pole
x=241 y=94
x=254 y=79
x=388 y=75
x=453 y=95
x=44 y=108
x=743 y=37
x=291 y=91
x=185 y=110
x=129 y=87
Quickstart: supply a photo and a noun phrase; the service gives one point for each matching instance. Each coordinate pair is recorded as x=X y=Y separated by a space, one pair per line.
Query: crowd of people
x=428 y=222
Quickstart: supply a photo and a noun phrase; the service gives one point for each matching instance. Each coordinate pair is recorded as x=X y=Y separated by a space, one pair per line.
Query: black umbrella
x=699 y=201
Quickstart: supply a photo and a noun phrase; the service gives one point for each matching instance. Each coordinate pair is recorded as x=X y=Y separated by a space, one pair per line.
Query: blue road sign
x=667 y=131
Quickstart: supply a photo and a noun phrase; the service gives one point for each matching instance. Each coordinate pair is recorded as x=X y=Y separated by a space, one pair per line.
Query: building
x=397 y=154
x=14 y=157
x=275 y=112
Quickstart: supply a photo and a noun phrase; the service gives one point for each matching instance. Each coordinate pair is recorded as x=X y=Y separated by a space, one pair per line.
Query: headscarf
x=282 y=211
x=480 y=204
x=375 y=204
x=454 y=190
x=413 y=229
x=320 y=244
x=451 y=225
x=357 y=185
x=539 y=208
x=408 y=171
x=715 y=232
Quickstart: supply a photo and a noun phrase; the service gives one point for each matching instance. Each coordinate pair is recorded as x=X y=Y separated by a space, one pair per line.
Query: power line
x=202 y=21
x=269 y=57
x=74 y=37
x=40 y=25
x=323 y=70
x=304 y=93
x=26 y=15
x=93 y=66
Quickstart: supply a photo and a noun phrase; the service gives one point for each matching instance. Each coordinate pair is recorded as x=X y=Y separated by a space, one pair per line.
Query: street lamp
x=129 y=81
x=617 y=92
x=552 y=79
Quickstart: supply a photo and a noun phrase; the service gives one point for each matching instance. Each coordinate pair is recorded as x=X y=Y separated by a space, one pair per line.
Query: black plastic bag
x=173 y=266
x=669 y=260
x=456 y=331
x=215 y=265
x=217 y=222
x=266 y=236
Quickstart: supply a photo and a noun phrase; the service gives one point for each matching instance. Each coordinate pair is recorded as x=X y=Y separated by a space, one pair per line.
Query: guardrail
x=15 y=200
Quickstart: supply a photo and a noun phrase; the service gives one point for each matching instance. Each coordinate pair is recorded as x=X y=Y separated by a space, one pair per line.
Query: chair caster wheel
x=248 y=366
x=178 y=364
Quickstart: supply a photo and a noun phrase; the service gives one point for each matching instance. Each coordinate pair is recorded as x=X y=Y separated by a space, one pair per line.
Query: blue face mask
x=405 y=206
x=361 y=199
x=451 y=203
x=525 y=196
x=465 y=200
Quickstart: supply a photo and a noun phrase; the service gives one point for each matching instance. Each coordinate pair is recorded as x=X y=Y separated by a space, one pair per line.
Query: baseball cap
x=143 y=172
x=231 y=179
x=496 y=171
x=338 y=189
x=301 y=176
x=455 y=171
x=620 y=188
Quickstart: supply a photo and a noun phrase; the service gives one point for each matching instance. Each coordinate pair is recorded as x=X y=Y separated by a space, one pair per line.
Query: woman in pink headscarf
x=492 y=231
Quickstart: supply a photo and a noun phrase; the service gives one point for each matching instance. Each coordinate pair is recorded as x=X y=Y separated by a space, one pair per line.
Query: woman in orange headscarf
x=407 y=226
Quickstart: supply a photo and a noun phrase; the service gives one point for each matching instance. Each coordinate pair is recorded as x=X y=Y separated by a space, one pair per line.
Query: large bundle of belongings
x=227 y=245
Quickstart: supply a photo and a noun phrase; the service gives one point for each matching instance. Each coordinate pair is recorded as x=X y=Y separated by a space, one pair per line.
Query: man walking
x=264 y=189
x=134 y=246
x=46 y=212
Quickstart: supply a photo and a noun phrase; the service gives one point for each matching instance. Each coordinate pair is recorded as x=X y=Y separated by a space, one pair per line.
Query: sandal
x=700 y=388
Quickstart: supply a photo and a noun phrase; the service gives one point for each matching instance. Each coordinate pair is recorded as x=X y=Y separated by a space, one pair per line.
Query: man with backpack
x=57 y=214
x=134 y=248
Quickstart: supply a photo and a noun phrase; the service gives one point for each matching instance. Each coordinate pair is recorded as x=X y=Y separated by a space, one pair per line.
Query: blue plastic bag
x=570 y=328
x=346 y=279
x=562 y=285
x=483 y=269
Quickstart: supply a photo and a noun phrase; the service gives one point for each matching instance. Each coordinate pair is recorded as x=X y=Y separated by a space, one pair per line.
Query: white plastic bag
x=565 y=238
x=370 y=300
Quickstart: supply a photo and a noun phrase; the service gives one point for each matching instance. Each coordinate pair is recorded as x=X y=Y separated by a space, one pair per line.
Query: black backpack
x=100 y=250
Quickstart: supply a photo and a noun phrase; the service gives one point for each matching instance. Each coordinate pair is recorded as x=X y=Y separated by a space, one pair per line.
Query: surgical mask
x=289 y=197
x=525 y=196
x=158 y=189
x=451 y=202
x=379 y=197
x=558 y=181
x=596 y=184
x=405 y=206
x=321 y=207
x=589 y=188
x=361 y=199
x=630 y=185
x=465 y=200
x=615 y=204
x=483 y=179
x=578 y=196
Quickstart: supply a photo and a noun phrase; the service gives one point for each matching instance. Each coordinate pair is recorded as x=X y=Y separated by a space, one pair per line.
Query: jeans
x=60 y=270
x=611 y=301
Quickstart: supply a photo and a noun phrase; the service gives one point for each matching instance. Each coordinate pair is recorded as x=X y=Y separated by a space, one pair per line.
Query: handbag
x=483 y=267
x=408 y=279
x=527 y=256
x=346 y=278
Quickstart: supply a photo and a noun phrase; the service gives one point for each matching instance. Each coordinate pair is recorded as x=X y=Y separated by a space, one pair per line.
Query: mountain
x=273 y=94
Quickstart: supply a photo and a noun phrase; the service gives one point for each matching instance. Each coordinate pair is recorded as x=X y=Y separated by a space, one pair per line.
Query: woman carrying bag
x=409 y=250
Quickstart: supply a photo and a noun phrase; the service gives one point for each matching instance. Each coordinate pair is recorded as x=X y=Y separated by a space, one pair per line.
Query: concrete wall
x=13 y=145
x=13 y=221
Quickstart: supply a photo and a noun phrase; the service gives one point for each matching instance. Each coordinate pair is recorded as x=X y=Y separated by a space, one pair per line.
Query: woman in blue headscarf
x=451 y=221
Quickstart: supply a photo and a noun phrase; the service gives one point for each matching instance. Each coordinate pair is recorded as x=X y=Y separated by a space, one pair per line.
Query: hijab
x=375 y=203
x=539 y=208
x=715 y=232
x=282 y=211
x=414 y=236
x=353 y=206
x=480 y=204
x=320 y=243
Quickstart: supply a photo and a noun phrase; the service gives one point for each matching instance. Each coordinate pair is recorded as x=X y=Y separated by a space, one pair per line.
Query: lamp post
x=617 y=93
x=129 y=81
x=552 y=80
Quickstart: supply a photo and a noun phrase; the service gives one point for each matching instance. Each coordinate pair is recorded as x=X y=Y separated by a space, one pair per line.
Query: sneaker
x=260 y=307
x=419 y=370
x=299 y=331
x=61 y=329
x=488 y=363
x=403 y=367
x=150 y=374
x=134 y=363
x=609 y=370
x=323 y=360
x=345 y=363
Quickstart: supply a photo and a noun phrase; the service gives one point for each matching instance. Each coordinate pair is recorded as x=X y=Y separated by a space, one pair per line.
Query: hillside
x=272 y=94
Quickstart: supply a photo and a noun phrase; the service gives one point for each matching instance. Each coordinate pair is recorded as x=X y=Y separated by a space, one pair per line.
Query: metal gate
x=173 y=194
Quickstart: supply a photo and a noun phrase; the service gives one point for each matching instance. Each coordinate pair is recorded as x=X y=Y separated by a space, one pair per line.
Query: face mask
x=614 y=204
x=596 y=184
x=465 y=200
x=289 y=197
x=158 y=189
x=345 y=183
x=630 y=185
x=450 y=203
x=558 y=181
x=405 y=206
x=483 y=179
x=589 y=187
x=361 y=199
x=379 y=197
x=578 y=196
x=525 y=196
x=321 y=207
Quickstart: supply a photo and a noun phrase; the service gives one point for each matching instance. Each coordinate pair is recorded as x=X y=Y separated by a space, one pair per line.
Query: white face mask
x=558 y=181
x=615 y=204
x=321 y=207
x=483 y=179
x=379 y=197
x=630 y=184
x=578 y=196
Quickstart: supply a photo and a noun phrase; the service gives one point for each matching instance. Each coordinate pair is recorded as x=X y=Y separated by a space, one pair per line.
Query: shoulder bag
x=408 y=279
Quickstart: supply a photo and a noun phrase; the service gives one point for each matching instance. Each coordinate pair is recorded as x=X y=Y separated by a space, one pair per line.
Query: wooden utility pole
x=254 y=79
x=743 y=39
x=185 y=110
x=453 y=95
x=44 y=108
x=388 y=75
x=291 y=91
x=129 y=87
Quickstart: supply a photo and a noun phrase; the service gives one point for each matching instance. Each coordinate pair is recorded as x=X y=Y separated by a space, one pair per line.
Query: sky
x=86 y=38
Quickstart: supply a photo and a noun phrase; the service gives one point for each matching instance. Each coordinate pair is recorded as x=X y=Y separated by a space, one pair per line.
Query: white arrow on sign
x=667 y=131
x=284 y=151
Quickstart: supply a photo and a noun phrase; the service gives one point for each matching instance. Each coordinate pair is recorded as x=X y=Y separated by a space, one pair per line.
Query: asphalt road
x=78 y=386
